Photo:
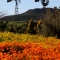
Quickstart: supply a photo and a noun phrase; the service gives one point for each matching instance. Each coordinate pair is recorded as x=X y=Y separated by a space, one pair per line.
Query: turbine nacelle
x=16 y=5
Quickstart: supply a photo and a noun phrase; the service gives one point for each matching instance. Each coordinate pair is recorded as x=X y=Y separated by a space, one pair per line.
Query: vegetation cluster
x=31 y=27
x=28 y=47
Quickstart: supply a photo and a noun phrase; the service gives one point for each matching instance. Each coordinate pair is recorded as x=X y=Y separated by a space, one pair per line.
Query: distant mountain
x=34 y=14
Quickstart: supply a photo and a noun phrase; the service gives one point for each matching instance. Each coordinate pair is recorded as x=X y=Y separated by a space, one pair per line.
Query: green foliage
x=1 y=39
x=12 y=28
x=3 y=25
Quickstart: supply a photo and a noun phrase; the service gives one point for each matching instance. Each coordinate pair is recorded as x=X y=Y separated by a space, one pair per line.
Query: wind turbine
x=16 y=5
x=43 y=2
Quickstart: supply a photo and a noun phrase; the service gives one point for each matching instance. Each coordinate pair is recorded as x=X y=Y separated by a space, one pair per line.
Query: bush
x=39 y=26
x=3 y=25
x=31 y=26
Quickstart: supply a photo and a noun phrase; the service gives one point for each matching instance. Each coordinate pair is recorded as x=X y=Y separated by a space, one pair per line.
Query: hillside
x=34 y=14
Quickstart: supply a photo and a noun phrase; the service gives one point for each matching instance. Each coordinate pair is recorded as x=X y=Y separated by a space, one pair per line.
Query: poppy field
x=28 y=47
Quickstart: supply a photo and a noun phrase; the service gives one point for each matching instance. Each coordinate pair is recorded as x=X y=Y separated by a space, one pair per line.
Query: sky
x=25 y=5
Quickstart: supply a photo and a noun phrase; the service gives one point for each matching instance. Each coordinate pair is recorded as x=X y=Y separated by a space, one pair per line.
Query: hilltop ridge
x=34 y=14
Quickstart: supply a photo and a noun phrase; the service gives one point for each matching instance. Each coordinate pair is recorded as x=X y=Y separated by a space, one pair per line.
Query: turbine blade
x=19 y=1
x=36 y=0
x=9 y=0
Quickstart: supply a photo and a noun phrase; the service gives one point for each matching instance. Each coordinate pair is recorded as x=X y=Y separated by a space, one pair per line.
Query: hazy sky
x=25 y=5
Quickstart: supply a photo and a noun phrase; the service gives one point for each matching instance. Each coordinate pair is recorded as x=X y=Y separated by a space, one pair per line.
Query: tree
x=3 y=13
x=3 y=25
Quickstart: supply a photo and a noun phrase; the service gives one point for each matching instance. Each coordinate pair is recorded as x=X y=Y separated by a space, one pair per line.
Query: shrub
x=39 y=26
x=31 y=26
x=3 y=25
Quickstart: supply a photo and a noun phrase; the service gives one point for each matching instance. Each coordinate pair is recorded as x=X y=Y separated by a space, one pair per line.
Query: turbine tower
x=16 y=5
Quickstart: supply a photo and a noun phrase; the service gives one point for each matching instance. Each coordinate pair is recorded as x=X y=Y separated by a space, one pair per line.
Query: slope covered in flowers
x=28 y=47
